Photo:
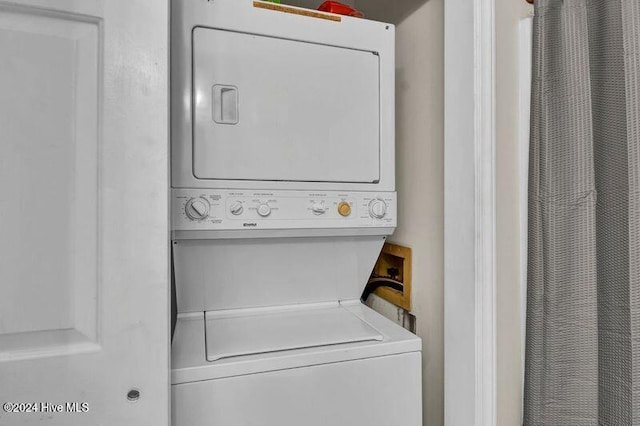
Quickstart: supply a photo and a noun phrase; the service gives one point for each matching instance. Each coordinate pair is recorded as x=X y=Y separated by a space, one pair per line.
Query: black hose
x=375 y=283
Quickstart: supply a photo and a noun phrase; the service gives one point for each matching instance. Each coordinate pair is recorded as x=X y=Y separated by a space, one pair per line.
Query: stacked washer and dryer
x=283 y=194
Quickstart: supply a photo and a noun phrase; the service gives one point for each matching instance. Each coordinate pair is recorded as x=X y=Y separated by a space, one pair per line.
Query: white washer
x=283 y=195
x=373 y=380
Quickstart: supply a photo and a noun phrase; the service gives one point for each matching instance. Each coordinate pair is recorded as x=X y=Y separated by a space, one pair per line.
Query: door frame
x=470 y=214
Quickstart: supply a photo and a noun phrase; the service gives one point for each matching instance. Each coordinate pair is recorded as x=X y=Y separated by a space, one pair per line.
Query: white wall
x=420 y=183
x=508 y=295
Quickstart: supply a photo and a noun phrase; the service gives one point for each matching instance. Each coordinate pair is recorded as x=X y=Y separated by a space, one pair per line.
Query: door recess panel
x=271 y=109
x=49 y=116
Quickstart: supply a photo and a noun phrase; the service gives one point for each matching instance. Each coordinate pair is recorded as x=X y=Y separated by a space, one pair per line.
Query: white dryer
x=283 y=194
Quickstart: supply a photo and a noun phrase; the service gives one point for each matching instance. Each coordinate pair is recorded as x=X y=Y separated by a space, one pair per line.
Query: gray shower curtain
x=583 y=307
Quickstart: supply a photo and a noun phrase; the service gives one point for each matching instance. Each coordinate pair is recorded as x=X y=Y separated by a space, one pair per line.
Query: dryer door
x=271 y=109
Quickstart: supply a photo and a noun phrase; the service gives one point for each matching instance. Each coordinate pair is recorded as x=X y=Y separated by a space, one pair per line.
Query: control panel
x=204 y=209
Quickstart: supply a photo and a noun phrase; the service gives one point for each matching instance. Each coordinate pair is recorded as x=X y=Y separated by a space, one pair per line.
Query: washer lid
x=264 y=331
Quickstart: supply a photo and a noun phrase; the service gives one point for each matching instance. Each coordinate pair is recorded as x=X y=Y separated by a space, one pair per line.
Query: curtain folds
x=583 y=307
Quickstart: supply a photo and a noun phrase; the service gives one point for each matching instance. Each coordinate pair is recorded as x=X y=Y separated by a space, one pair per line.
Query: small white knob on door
x=236 y=208
x=197 y=208
x=264 y=210
x=377 y=208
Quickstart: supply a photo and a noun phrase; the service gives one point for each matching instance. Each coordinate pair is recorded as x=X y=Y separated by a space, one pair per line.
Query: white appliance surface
x=274 y=100
x=223 y=274
x=275 y=109
x=208 y=209
x=259 y=331
x=189 y=349
x=282 y=137
x=381 y=391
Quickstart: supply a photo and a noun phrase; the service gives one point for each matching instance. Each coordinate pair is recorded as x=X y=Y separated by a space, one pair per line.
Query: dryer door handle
x=225 y=104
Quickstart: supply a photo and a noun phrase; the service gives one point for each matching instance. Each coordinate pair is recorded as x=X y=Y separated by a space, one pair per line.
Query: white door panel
x=83 y=210
x=274 y=109
x=338 y=394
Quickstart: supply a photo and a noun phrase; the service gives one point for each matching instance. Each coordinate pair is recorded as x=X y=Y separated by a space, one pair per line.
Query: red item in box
x=339 y=9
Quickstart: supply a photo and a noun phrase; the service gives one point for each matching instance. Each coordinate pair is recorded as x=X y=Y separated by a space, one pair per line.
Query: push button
x=344 y=209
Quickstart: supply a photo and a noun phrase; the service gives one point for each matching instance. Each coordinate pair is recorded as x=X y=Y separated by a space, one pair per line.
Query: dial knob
x=377 y=208
x=264 y=210
x=236 y=208
x=319 y=208
x=197 y=208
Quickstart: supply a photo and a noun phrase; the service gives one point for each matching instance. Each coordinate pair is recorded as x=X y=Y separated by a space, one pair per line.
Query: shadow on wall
x=394 y=11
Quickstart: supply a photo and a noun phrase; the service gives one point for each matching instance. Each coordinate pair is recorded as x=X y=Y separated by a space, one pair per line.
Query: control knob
x=377 y=208
x=236 y=208
x=197 y=208
x=264 y=210
x=318 y=208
